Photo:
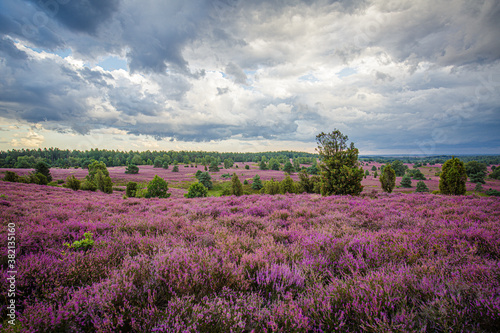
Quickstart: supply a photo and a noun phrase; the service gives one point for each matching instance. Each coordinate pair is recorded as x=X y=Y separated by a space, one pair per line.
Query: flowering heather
x=283 y=263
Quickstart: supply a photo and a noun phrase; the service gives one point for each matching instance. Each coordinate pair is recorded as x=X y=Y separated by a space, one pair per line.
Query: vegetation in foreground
x=92 y=262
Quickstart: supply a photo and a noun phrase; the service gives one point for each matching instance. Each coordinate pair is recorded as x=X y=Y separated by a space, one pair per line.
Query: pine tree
x=421 y=187
x=388 y=179
x=406 y=181
x=256 y=183
x=236 y=187
x=453 y=177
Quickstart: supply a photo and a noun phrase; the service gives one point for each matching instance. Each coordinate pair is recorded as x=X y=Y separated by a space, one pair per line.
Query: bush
x=236 y=187
x=478 y=187
x=495 y=174
x=103 y=182
x=374 y=168
x=421 y=187
x=213 y=167
x=38 y=178
x=205 y=179
x=43 y=168
x=493 y=192
x=11 y=176
x=157 y=188
x=198 y=173
x=196 y=190
x=256 y=183
x=226 y=175
x=245 y=182
x=176 y=168
x=271 y=187
x=288 y=167
x=73 y=183
x=287 y=185
x=406 y=181
x=247 y=167
x=87 y=185
x=165 y=165
x=388 y=179
x=476 y=171
x=131 y=189
x=453 y=177
x=60 y=181
x=132 y=169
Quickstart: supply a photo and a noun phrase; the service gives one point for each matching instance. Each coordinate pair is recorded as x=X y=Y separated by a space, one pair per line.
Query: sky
x=397 y=77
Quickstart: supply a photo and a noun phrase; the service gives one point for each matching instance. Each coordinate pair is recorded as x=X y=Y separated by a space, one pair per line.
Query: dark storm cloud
x=79 y=16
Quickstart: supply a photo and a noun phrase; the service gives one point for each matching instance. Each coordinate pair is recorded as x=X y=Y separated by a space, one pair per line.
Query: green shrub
x=245 y=182
x=226 y=175
x=165 y=165
x=287 y=185
x=406 y=181
x=236 y=187
x=87 y=185
x=43 y=168
x=256 y=183
x=388 y=179
x=132 y=169
x=453 y=177
x=205 y=179
x=73 y=183
x=157 y=188
x=247 y=167
x=176 y=168
x=38 y=178
x=421 y=187
x=131 y=189
x=493 y=192
x=11 y=176
x=478 y=187
x=495 y=174
x=271 y=187
x=196 y=190
x=60 y=181
x=103 y=182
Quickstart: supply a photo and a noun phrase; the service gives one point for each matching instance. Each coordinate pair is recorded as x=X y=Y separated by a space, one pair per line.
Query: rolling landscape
x=233 y=166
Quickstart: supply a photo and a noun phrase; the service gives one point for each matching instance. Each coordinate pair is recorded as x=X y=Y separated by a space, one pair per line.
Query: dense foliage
x=388 y=179
x=196 y=190
x=453 y=177
x=132 y=169
x=157 y=188
x=340 y=170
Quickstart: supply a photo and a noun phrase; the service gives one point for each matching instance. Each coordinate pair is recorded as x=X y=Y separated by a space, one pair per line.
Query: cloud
x=270 y=71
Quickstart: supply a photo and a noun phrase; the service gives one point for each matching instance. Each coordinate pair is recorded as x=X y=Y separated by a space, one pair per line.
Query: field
x=260 y=263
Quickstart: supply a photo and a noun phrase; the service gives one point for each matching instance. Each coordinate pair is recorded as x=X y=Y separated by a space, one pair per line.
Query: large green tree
x=453 y=177
x=236 y=187
x=476 y=171
x=44 y=169
x=340 y=170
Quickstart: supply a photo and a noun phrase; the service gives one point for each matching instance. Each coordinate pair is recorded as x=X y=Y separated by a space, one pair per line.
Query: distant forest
x=27 y=158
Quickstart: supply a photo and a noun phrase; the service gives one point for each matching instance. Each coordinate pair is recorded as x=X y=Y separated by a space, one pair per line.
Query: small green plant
x=73 y=183
x=157 y=188
x=176 y=168
x=85 y=244
x=3 y=196
x=247 y=167
x=226 y=175
x=196 y=190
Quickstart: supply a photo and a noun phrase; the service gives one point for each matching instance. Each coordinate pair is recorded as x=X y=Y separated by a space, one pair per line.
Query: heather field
x=260 y=263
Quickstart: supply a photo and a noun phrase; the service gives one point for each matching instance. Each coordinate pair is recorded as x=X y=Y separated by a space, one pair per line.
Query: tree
x=137 y=160
x=132 y=169
x=73 y=183
x=205 y=179
x=256 y=183
x=157 y=188
x=375 y=174
x=476 y=171
x=374 y=168
x=388 y=179
x=367 y=173
x=296 y=165
x=417 y=174
x=453 y=177
x=247 y=167
x=93 y=167
x=274 y=164
x=38 y=178
x=196 y=190
x=176 y=168
x=406 y=181
x=262 y=165
x=228 y=163
x=495 y=174
x=340 y=170
x=288 y=168
x=158 y=162
x=271 y=187
x=421 y=187
x=287 y=185
x=399 y=168
x=103 y=182
x=131 y=189
x=213 y=167
x=43 y=168
x=165 y=165
x=236 y=187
